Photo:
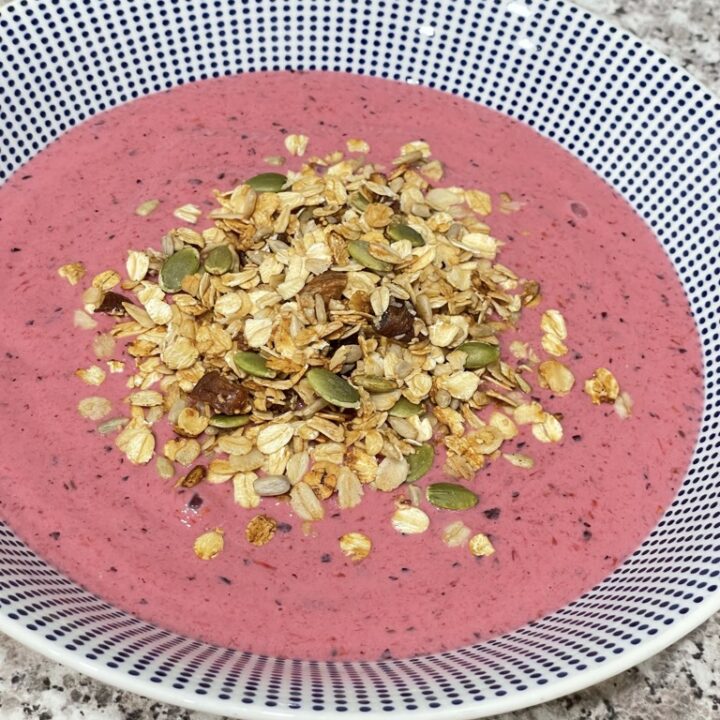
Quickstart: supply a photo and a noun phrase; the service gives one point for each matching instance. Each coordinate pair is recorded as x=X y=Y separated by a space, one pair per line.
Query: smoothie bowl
x=365 y=364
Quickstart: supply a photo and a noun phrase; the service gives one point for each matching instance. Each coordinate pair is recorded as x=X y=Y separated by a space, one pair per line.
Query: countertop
x=681 y=682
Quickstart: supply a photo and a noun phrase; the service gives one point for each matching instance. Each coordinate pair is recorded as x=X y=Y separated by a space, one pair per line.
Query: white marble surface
x=681 y=682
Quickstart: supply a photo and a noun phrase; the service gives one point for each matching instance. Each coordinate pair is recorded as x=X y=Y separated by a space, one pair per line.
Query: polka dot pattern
x=638 y=121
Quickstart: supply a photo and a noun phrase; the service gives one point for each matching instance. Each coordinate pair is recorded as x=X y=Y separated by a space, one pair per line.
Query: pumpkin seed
x=450 y=496
x=358 y=201
x=479 y=354
x=333 y=388
x=375 y=383
x=253 y=364
x=267 y=182
x=229 y=421
x=403 y=408
x=400 y=231
x=219 y=260
x=360 y=250
x=177 y=267
x=271 y=485
x=420 y=462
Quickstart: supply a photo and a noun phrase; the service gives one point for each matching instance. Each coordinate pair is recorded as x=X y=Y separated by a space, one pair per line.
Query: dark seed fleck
x=492 y=513
x=112 y=304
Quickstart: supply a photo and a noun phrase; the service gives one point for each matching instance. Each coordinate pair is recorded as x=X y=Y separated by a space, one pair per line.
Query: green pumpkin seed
x=358 y=201
x=360 y=250
x=450 y=496
x=479 y=354
x=420 y=462
x=267 y=182
x=253 y=364
x=333 y=388
x=177 y=267
x=400 y=231
x=229 y=421
x=375 y=383
x=219 y=260
x=403 y=408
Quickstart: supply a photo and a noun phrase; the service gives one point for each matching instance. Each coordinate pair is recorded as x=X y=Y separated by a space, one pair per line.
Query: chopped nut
x=209 y=544
x=260 y=530
x=480 y=545
x=193 y=477
x=355 y=545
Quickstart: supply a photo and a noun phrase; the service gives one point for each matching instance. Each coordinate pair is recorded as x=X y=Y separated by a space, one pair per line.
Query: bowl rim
x=489 y=707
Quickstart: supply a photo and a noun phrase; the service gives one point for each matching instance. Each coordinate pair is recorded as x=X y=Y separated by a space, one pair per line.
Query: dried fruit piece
x=113 y=304
x=355 y=546
x=451 y=496
x=209 y=544
x=193 y=478
x=219 y=260
x=333 y=389
x=253 y=364
x=177 y=267
x=602 y=387
x=410 y=520
x=260 y=530
x=360 y=251
x=480 y=545
x=222 y=395
x=420 y=462
x=396 y=322
x=479 y=354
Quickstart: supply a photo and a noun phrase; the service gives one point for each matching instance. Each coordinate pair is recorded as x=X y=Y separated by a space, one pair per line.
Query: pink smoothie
x=127 y=535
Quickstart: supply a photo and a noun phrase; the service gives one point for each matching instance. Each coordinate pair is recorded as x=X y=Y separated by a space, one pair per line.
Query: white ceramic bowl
x=637 y=120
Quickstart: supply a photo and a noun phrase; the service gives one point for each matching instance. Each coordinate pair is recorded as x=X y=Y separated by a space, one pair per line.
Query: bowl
x=637 y=120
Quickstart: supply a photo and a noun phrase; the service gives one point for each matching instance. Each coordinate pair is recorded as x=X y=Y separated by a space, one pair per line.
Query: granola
x=323 y=333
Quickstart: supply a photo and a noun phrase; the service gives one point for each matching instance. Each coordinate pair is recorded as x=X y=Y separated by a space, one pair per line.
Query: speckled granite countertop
x=681 y=682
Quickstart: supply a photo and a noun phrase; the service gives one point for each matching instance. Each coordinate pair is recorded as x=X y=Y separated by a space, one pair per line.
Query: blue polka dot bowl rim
x=639 y=121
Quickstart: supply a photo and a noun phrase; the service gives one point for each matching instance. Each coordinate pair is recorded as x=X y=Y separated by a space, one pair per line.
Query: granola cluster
x=327 y=330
